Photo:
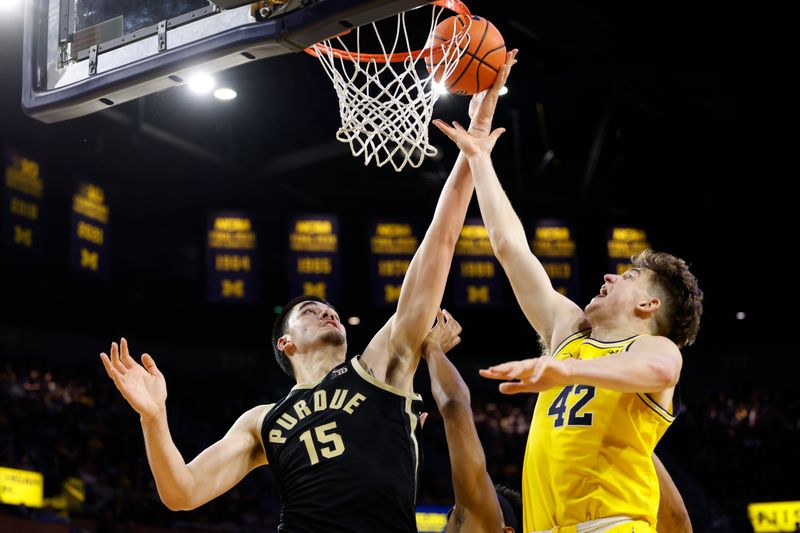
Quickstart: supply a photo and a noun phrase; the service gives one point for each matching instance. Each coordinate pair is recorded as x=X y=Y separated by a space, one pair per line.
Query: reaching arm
x=653 y=366
x=424 y=282
x=475 y=498
x=544 y=307
x=215 y=470
x=672 y=513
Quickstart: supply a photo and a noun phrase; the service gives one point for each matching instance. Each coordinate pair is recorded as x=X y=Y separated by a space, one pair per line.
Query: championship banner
x=23 y=189
x=624 y=242
x=553 y=243
x=89 y=230
x=476 y=274
x=231 y=258
x=392 y=245
x=21 y=487
x=314 y=257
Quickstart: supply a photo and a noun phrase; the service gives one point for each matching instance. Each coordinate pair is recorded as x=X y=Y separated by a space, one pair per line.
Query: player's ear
x=508 y=529
x=286 y=345
x=648 y=307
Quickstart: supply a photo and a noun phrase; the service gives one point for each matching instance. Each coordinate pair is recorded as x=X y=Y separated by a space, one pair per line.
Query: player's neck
x=617 y=332
x=313 y=366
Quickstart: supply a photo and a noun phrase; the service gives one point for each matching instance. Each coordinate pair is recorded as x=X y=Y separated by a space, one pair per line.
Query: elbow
x=456 y=404
x=667 y=375
x=176 y=503
x=502 y=246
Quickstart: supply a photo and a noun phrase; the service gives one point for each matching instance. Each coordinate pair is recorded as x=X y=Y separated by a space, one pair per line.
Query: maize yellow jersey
x=589 y=450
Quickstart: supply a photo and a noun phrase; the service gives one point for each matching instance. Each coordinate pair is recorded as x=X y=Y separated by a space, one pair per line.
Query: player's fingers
x=112 y=372
x=106 y=364
x=514 y=387
x=505 y=368
x=486 y=373
x=538 y=369
x=492 y=374
x=150 y=365
x=446 y=129
x=115 y=360
x=125 y=355
x=496 y=134
x=456 y=327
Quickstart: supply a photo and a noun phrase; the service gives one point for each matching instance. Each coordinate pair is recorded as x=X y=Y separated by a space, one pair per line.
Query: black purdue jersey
x=345 y=454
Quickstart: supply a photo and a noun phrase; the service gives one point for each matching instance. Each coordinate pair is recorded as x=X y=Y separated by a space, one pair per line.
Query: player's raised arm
x=215 y=470
x=544 y=307
x=475 y=499
x=653 y=365
x=424 y=282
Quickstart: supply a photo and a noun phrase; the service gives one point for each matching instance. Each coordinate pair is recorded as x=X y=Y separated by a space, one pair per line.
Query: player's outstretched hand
x=529 y=375
x=143 y=386
x=444 y=335
x=483 y=104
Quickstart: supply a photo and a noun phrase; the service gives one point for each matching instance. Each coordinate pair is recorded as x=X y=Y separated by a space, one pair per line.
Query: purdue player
x=342 y=443
x=606 y=394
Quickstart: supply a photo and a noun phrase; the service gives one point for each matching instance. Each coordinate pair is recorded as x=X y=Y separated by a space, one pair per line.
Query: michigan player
x=480 y=507
x=342 y=444
x=475 y=510
x=606 y=394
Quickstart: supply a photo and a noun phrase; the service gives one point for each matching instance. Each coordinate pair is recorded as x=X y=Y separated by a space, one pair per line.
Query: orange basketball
x=482 y=59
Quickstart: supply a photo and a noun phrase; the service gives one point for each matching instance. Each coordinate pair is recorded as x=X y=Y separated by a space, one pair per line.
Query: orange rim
x=457 y=6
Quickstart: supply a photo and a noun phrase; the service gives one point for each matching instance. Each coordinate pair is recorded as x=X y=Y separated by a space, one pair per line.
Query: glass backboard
x=82 y=56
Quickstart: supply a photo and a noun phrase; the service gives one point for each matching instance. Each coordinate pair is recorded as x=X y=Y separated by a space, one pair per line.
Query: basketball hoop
x=386 y=99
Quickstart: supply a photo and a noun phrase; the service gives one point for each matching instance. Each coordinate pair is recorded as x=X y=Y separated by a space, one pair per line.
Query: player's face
x=314 y=321
x=622 y=291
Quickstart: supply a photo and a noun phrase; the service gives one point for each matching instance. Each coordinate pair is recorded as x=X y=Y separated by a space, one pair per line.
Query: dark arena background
x=629 y=125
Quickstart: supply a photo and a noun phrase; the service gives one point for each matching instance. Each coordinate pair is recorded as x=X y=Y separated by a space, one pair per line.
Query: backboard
x=82 y=56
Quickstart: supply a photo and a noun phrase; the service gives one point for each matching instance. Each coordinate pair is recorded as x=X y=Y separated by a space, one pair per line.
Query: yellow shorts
x=637 y=526
x=632 y=527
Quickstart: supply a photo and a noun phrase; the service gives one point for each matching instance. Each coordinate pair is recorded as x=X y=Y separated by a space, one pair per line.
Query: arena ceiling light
x=224 y=93
x=201 y=83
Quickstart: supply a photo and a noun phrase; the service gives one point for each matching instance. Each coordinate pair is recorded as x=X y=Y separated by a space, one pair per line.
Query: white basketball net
x=386 y=106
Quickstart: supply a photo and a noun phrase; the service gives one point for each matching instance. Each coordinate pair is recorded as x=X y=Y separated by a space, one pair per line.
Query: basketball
x=482 y=59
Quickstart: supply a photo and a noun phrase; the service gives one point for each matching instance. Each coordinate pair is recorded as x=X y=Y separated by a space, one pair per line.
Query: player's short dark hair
x=511 y=505
x=682 y=301
x=279 y=329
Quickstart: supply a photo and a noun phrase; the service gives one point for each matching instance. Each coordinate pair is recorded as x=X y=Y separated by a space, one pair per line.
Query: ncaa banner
x=89 y=230
x=623 y=242
x=314 y=257
x=23 y=190
x=553 y=243
x=392 y=244
x=231 y=258
x=476 y=272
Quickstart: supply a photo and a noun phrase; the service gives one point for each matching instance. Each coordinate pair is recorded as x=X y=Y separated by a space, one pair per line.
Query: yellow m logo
x=233 y=289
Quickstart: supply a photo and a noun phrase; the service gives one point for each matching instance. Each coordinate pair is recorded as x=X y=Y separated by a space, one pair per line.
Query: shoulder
x=252 y=419
x=568 y=327
x=654 y=343
x=567 y=336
